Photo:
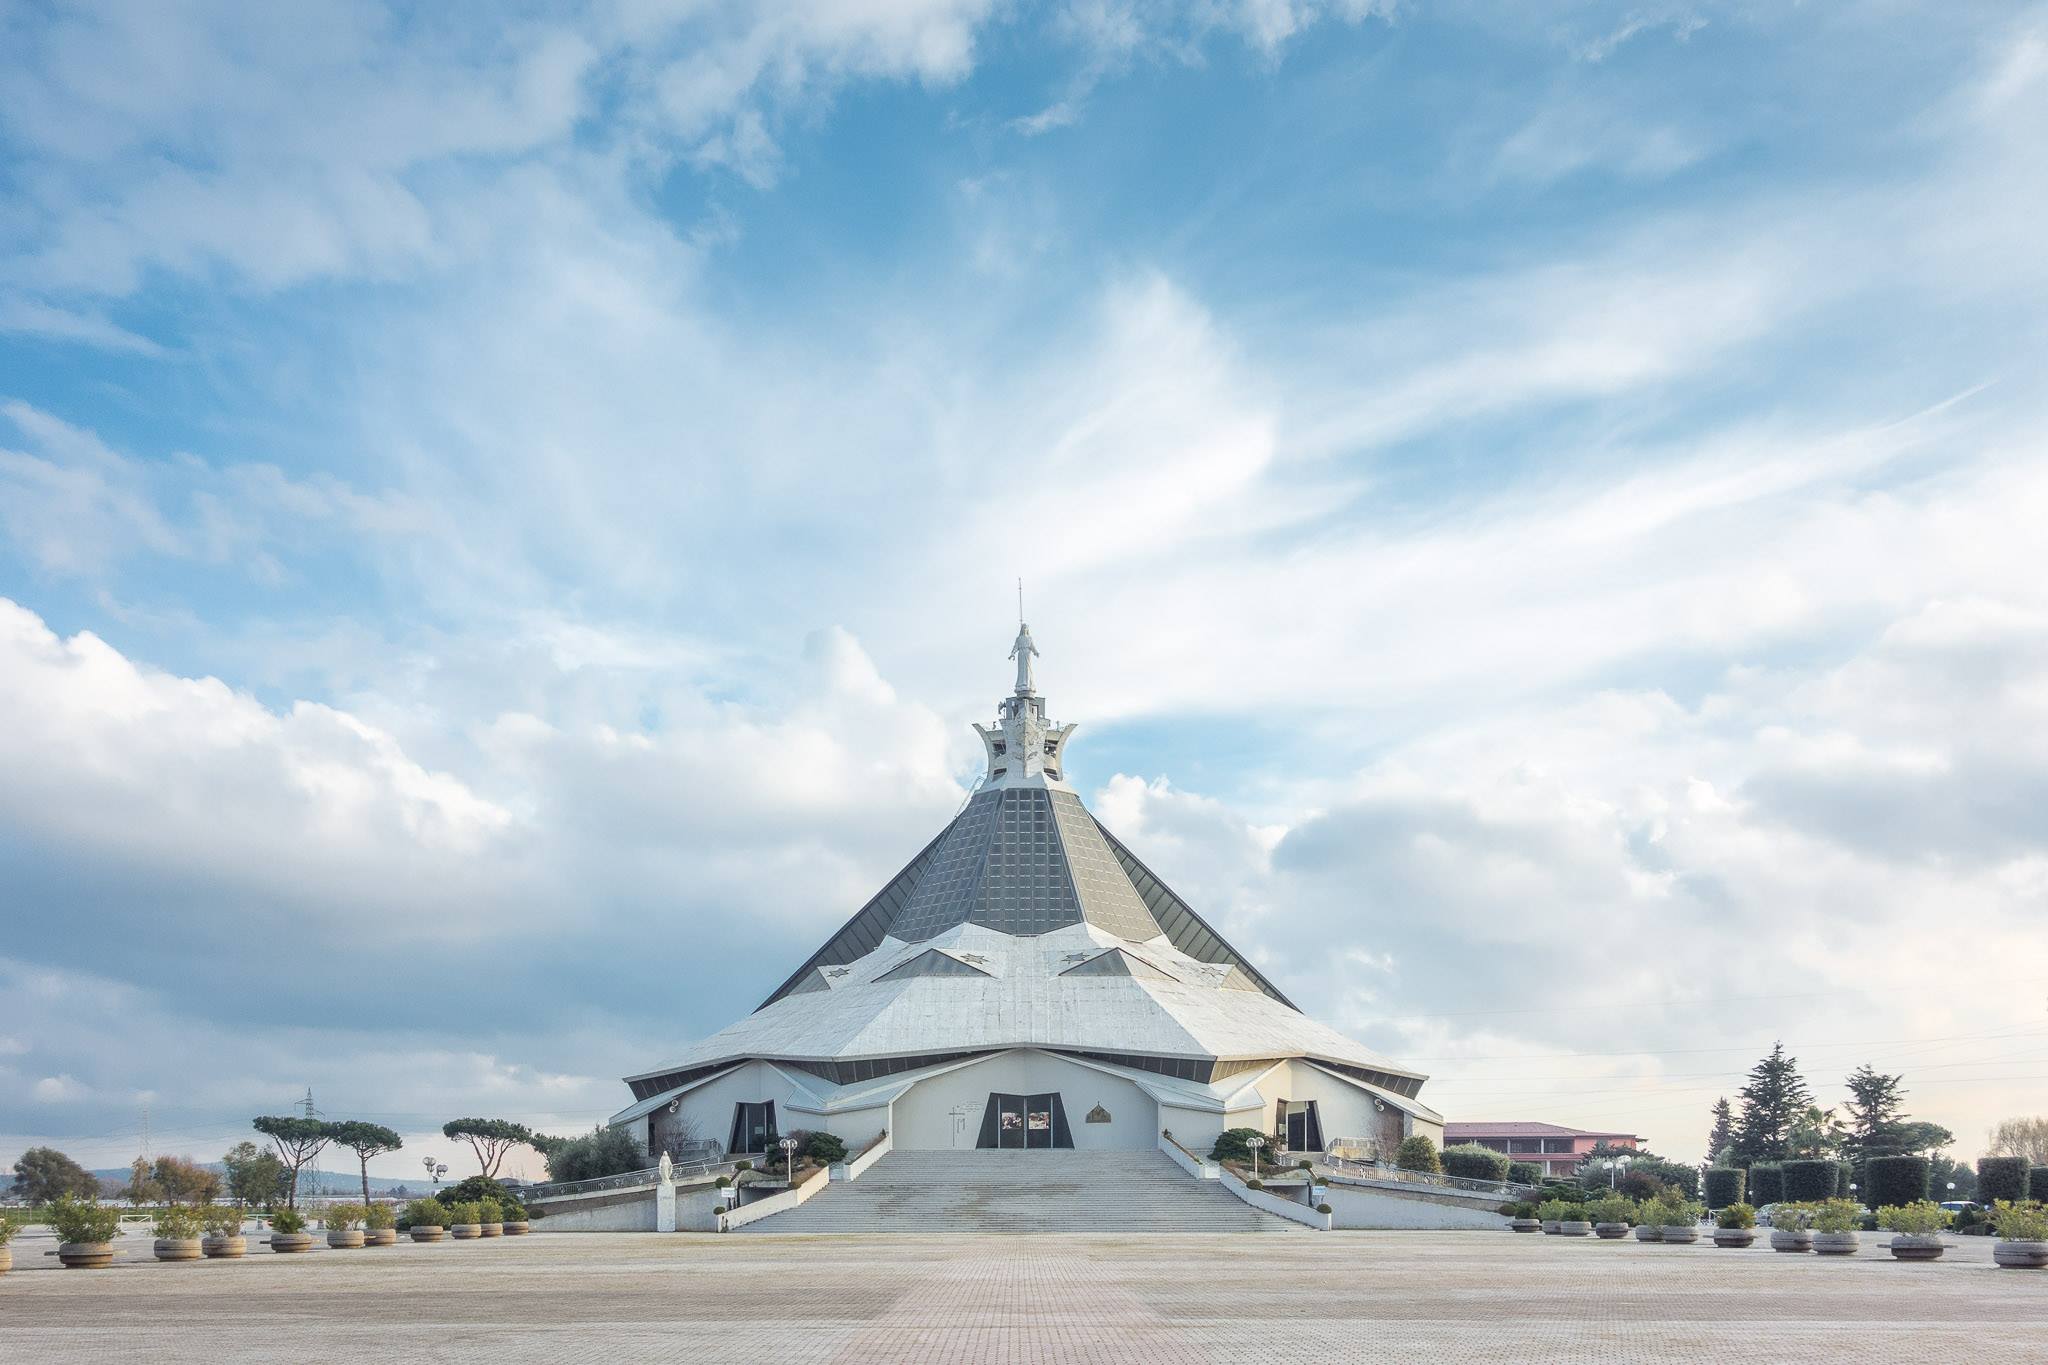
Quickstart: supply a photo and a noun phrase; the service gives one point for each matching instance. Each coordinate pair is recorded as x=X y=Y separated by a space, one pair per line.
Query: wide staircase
x=1027 y=1191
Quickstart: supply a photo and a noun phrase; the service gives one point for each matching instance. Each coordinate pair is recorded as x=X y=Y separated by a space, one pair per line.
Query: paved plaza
x=1474 y=1296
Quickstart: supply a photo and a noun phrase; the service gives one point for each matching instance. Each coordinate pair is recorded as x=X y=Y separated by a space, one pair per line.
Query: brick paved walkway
x=1407 y=1296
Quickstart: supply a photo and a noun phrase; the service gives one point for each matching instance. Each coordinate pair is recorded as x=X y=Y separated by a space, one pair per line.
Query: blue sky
x=1535 y=508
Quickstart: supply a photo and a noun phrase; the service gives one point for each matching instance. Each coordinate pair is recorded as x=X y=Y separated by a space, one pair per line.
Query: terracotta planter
x=1612 y=1232
x=85 y=1255
x=1688 y=1233
x=492 y=1229
x=224 y=1248
x=344 y=1239
x=1917 y=1248
x=291 y=1241
x=463 y=1232
x=1734 y=1237
x=380 y=1237
x=1646 y=1233
x=1836 y=1243
x=2021 y=1255
x=177 y=1248
x=1573 y=1227
x=1525 y=1225
x=428 y=1232
x=518 y=1229
x=1791 y=1239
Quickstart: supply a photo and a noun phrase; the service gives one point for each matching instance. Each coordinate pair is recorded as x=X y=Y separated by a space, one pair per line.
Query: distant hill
x=310 y=1181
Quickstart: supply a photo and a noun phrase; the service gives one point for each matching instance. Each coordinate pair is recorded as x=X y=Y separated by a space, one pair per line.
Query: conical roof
x=1025 y=923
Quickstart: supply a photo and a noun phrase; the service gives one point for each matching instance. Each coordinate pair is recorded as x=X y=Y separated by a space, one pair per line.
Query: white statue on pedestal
x=1022 y=652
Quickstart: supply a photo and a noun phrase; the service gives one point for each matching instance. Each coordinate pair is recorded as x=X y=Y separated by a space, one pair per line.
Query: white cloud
x=57 y=1090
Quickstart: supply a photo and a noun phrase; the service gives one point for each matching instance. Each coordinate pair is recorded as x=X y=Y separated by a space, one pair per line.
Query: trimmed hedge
x=1766 y=1183
x=2037 y=1183
x=1473 y=1162
x=1809 y=1180
x=1896 y=1180
x=2001 y=1177
x=1525 y=1173
x=1724 y=1186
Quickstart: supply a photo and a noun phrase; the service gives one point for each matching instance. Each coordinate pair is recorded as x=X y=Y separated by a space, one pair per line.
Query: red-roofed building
x=1555 y=1149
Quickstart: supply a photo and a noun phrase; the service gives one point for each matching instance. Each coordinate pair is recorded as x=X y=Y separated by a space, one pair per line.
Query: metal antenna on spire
x=1020 y=601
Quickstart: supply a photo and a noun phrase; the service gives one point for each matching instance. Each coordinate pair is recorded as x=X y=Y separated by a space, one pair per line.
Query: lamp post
x=1616 y=1166
x=435 y=1170
x=788 y=1146
x=1255 y=1142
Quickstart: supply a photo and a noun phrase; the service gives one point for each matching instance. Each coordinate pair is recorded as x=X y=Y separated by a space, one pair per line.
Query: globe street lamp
x=1614 y=1164
x=788 y=1146
x=435 y=1170
x=1255 y=1142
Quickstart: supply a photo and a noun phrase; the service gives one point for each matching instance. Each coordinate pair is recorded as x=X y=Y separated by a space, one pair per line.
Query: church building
x=1026 y=982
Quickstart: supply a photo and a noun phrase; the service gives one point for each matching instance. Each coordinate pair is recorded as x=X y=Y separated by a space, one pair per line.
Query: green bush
x=1895 y=1181
x=1837 y=1215
x=1809 y=1181
x=510 y=1210
x=378 y=1217
x=287 y=1221
x=1671 y=1209
x=2002 y=1177
x=1255 y=1184
x=825 y=1148
x=1725 y=1187
x=222 y=1220
x=1525 y=1172
x=2037 y=1184
x=490 y=1211
x=1323 y=1208
x=1613 y=1209
x=1556 y=1210
x=1736 y=1215
x=1473 y=1162
x=1234 y=1144
x=599 y=1153
x=1845 y=1176
x=83 y=1220
x=426 y=1213
x=177 y=1223
x=2017 y=1221
x=1766 y=1183
x=1792 y=1217
x=342 y=1217
x=1915 y=1218
x=1417 y=1153
x=7 y=1229
x=475 y=1189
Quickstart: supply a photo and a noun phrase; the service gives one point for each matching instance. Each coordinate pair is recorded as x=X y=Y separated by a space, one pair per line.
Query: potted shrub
x=344 y=1226
x=2022 y=1234
x=1522 y=1218
x=514 y=1218
x=1646 y=1226
x=427 y=1220
x=1834 y=1227
x=288 y=1231
x=1575 y=1223
x=1791 y=1228
x=1611 y=1217
x=465 y=1222
x=177 y=1234
x=223 y=1240
x=1551 y=1214
x=490 y=1217
x=85 y=1232
x=1735 y=1226
x=1677 y=1217
x=378 y=1229
x=7 y=1231
x=1916 y=1227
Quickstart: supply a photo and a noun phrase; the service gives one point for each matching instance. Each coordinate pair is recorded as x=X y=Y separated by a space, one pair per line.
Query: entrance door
x=1304 y=1126
x=753 y=1127
x=1025 y=1121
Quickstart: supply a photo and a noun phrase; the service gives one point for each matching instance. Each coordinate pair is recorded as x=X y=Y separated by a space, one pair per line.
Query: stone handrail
x=1274 y=1204
x=856 y=1166
x=1381 y=1170
x=627 y=1180
x=1200 y=1167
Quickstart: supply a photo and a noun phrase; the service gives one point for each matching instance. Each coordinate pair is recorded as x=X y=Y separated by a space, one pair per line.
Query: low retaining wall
x=1273 y=1203
x=1359 y=1205
x=628 y=1210
x=773 y=1204
x=1198 y=1167
x=856 y=1166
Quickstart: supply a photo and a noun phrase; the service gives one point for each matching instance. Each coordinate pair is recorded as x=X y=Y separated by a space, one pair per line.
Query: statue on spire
x=1022 y=652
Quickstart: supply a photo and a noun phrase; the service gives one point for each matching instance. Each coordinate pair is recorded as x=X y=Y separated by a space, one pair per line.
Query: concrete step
x=1024 y=1192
